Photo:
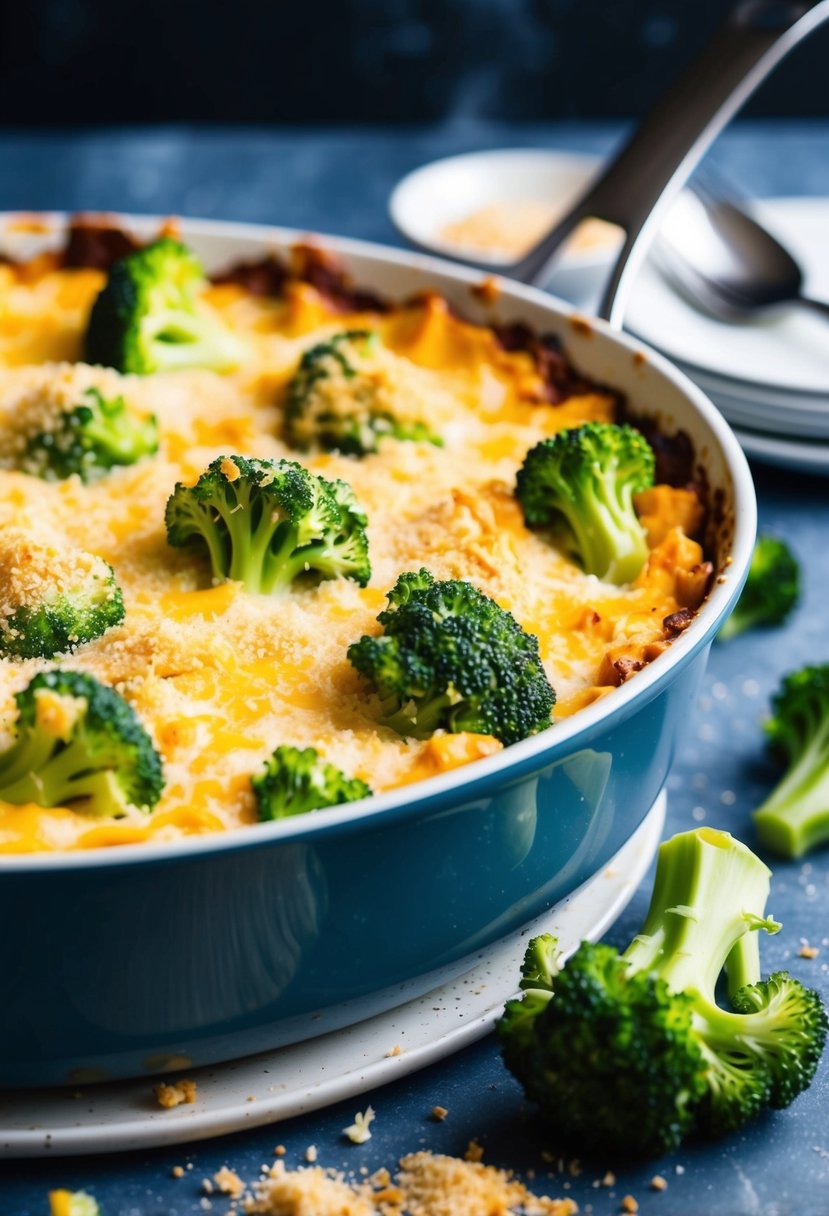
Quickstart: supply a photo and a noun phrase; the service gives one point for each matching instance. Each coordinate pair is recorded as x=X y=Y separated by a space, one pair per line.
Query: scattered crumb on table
x=174 y=1093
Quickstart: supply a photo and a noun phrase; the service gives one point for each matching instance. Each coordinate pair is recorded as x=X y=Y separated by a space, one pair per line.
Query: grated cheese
x=219 y=677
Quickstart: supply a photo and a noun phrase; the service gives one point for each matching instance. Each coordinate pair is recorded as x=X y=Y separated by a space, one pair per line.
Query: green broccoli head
x=611 y=1054
x=52 y=598
x=264 y=523
x=795 y=816
x=584 y=480
x=90 y=439
x=149 y=318
x=340 y=400
x=450 y=658
x=78 y=740
x=630 y=1052
x=771 y=591
x=294 y=781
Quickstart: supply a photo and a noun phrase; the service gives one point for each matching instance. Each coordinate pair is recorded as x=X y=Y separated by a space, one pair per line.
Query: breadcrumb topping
x=427 y=1184
x=229 y=1182
x=175 y=1093
x=220 y=678
x=37 y=566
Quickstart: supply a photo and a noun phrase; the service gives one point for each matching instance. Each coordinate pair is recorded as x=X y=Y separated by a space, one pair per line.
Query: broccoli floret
x=72 y=1203
x=771 y=591
x=630 y=1052
x=89 y=440
x=52 y=598
x=264 y=522
x=339 y=401
x=148 y=317
x=450 y=658
x=795 y=816
x=78 y=739
x=584 y=479
x=293 y=782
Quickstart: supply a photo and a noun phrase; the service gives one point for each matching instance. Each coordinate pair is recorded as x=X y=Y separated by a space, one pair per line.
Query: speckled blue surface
x=339 y=182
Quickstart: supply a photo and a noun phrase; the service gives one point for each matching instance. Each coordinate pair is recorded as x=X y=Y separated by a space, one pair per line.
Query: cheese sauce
x=220 y=677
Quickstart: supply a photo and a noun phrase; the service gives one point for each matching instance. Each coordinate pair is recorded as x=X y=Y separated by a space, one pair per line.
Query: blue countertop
x=338 y=181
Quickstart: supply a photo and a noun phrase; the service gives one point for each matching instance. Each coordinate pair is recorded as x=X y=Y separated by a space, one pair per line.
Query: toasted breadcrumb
x=177 y=1171
x=428 y=1184
x=229 y=1182
x=435 y=1185
x=474 y=1151
x=359 y=1131
x=394 y=1051
x=807 y=951
x=279 y=1151
x=439 y=1113
x=609 y=1179
x=658 y=1183
x=309 y=1192
x=174 y=1093
x=629 y=1204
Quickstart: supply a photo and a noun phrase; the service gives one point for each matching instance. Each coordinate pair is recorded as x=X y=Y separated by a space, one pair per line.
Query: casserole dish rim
x=535 y=752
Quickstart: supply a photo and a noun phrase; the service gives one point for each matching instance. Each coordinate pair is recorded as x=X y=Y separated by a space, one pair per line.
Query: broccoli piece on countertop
x=771 y=591
x=341 y=400
x=585 y=479
x=795 y=816
x=293 y=782
x=450 y=658
x=90 y=439
x=72 y=1203
x=78 y=739
x=630 y=1053
x=53 y=598
x=149 y=318
x=264 y=523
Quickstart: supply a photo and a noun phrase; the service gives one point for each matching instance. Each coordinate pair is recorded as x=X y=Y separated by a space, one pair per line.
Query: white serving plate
x=802 y=455
x=785 y=355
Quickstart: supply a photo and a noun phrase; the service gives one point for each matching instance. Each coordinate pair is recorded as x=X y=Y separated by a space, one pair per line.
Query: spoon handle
x=820 y=306
x=660 y=156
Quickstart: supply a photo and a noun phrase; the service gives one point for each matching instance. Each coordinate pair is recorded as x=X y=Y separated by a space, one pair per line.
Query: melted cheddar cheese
x=220 y=677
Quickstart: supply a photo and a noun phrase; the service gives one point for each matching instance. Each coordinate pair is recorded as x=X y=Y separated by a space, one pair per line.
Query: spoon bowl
x=725 y=262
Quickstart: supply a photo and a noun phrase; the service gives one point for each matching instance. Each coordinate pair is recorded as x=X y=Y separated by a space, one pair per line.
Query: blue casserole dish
x=116 y=962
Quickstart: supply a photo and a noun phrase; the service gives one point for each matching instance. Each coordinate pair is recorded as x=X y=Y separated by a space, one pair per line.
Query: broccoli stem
x=742 y=966
x=607 y=534
x=186 y=339
x=710 y=891
x=740 y=622
x=52 y=777
x=21 y=765
x=419 y=720
x=795 y=817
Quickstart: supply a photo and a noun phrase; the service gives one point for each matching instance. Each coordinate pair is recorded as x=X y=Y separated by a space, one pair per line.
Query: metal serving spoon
x=638 y=185
x=723 y=261
x=641 y=181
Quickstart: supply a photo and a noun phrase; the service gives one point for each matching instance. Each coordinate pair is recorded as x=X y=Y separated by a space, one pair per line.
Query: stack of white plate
x=769 y=377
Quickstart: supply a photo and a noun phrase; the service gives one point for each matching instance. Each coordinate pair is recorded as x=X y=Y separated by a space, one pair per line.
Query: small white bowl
x=447 y=191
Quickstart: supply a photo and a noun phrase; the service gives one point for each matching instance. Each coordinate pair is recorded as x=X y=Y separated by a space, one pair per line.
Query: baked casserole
x=430 y=423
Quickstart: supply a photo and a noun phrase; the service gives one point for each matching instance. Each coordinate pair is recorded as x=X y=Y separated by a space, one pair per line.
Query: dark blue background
x=338 y=61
